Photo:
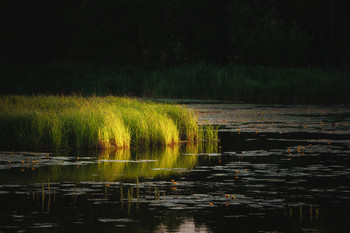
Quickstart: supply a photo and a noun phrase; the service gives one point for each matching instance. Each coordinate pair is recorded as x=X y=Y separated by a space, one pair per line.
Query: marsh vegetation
x=272 y=162
x=57 y=122
x=197 y=80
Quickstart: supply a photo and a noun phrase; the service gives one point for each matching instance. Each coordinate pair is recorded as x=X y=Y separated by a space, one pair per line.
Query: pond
x=275 y=169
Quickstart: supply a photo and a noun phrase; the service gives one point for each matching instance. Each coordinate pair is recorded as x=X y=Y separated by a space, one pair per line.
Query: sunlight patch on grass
x=52 y=122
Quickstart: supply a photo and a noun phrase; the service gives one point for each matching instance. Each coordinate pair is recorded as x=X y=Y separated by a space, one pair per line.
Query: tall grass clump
x=52 y=122
x=186 y=122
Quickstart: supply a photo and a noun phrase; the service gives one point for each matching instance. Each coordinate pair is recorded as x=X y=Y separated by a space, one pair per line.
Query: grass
x=259 y=84
x=201 y=80
x=53 y=122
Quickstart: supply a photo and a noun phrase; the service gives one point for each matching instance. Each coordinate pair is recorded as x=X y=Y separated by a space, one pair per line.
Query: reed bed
x=198 y=80
x=53 y=122
x=257 y=84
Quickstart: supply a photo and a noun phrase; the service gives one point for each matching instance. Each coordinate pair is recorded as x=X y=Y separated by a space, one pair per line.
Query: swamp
x=174 y=116
x=275 y=169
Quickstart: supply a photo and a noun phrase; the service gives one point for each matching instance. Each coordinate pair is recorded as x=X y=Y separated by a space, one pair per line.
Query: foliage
x=157 y=32
x=52 y=122
x=259 y=84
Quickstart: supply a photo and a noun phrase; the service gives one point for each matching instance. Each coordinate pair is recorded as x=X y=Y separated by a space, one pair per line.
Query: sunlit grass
x=52 y=122
x=209 y=132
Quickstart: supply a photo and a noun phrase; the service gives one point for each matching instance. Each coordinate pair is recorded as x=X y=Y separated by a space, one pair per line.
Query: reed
x=259 y=84
x=52 y=122
x=198 y=80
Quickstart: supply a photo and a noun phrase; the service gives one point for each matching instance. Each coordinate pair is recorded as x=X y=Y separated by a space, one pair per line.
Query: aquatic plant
x=209 y=132
x=198 y=80
x=52 y=122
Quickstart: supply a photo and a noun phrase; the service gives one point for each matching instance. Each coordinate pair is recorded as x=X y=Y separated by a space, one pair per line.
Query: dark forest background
x=174 y=32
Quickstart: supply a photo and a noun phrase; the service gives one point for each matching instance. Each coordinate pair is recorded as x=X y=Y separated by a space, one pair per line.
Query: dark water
x=275 y=169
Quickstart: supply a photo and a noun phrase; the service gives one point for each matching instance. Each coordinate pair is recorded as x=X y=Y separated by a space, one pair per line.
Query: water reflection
x=276 y=118
x=252 y=182
x=183 y=227
x=112 y=165
x=126 y=180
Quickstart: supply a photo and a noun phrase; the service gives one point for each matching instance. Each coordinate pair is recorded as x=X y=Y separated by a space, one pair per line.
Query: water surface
x=275 y=169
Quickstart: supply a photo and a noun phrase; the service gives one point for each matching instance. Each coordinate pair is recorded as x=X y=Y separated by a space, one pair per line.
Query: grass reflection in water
x=117 y=165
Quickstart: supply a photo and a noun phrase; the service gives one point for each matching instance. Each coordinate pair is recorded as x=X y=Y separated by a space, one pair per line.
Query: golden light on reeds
x=52 y=122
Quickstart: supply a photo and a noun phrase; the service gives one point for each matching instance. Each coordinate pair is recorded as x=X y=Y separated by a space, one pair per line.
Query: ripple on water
x=121 y=220
x=43 y=225
x=210 y=154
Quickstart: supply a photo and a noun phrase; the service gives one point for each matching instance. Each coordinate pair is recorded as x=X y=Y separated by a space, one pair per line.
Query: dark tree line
x=164 y=32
